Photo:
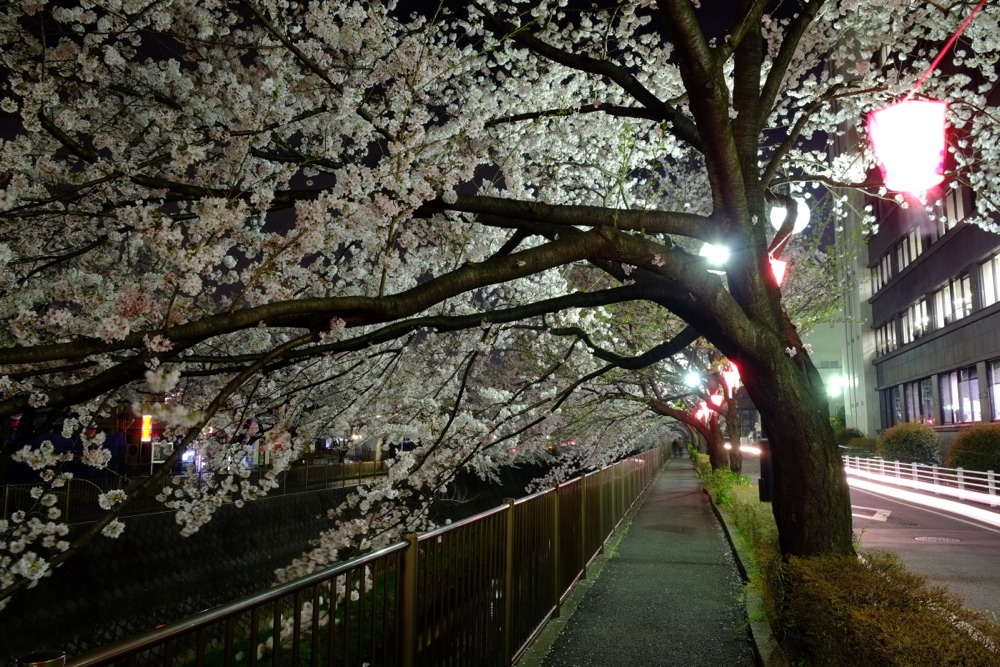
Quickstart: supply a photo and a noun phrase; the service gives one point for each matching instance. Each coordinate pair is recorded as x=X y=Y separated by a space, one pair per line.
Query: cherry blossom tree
x=257 y=207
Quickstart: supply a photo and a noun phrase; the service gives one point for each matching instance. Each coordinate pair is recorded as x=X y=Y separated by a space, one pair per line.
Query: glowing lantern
x=731 y=376
x=802 y=215
x=778 y=269
x=716 y=399
x=147 y=428
x=908 y=139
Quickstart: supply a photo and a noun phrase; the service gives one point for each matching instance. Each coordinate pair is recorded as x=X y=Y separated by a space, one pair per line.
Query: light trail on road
x=949 y=506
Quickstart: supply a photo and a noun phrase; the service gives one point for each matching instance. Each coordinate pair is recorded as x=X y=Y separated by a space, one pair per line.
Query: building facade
x=935 y=316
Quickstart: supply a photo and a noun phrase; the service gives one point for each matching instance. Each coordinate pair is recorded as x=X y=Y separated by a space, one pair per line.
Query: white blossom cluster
x=280 y=223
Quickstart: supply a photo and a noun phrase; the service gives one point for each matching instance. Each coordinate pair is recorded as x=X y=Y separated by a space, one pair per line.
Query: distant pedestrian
x=678 y=446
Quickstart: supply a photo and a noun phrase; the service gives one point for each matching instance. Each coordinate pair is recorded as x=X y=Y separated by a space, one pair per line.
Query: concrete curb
x=769 y=651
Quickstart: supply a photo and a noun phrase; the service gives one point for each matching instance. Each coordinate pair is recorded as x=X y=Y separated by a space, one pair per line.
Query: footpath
x=667 y=592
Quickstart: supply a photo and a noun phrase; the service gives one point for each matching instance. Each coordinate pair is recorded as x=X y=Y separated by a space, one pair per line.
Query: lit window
x=891 y=401
x=909 y=249
x=953 y=301
x=990 y=271
x=885 y=338
x=915 y=321
x=995 y=388
x=919 y=401
x=960 y=396
x=881 y=273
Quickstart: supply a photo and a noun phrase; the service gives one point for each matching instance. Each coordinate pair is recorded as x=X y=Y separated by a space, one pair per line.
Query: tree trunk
x=811 y=500
x=716 y=452
x=734 y=430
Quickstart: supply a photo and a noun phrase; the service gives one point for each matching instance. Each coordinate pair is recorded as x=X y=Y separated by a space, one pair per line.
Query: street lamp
x=715 y=255
x=779 y=213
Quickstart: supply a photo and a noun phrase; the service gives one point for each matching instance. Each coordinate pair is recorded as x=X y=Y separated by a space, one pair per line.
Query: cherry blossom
x=304 y=220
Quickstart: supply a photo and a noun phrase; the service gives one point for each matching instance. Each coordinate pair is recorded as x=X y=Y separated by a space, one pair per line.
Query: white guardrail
x=966 y=485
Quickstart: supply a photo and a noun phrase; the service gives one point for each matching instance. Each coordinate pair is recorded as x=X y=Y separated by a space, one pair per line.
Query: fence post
x=583 y=527
x=896 y=467
x=621 y=492
x=934 y=476
x=407 y=606
x=961 y=479
x=991 y=481
x=600 y=510
x=508 y=585
x=916 y=471
x=556 y=555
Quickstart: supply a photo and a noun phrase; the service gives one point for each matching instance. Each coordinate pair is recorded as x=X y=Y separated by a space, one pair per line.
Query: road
x=954 y=552
x=958 y=553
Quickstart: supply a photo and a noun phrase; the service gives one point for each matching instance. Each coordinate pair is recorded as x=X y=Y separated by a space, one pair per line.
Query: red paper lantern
x=731 y=376
x=908 y=139
x=778 y=269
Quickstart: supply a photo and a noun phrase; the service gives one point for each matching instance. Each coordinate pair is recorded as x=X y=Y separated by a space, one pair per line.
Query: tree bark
x=811 y=500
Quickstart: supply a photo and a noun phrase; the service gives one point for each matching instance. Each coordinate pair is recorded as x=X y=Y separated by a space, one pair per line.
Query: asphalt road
x=958 y=553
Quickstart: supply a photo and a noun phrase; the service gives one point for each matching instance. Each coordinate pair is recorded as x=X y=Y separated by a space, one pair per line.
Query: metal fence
x=472 y=593
x=78 y=499
x=967 y=485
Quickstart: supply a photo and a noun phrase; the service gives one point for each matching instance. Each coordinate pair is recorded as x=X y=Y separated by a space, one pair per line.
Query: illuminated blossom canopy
x=297 y=219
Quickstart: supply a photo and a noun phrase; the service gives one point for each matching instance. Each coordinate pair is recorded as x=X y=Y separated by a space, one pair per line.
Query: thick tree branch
x=662 y=351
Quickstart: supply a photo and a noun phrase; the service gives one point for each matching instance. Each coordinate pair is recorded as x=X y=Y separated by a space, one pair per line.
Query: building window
x=909 y=249
x=952 y=208
x=995 y=389
x=915 y=321
x=885 y=338
x=953 y=301
x=919 y=401
x=990 y=272
x=960 y=396
x=881 y=273
x=892 y=406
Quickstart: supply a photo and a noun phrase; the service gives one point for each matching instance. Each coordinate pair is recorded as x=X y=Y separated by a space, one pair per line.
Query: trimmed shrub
x=721 y=482
x=845 y=435
x=977 y=449
x=860 y=447
x=845 y=612
x=910 y=442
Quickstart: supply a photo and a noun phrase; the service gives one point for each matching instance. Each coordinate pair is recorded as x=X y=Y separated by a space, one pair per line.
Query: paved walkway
x=668 y=595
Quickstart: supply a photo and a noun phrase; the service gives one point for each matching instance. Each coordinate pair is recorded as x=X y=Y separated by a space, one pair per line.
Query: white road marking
x=877 y=514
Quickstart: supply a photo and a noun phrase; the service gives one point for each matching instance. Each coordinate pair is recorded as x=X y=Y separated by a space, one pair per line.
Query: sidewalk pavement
x=667 y=593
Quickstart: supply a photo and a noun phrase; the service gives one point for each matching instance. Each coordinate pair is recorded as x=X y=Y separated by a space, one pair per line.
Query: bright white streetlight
x=716 y=255
x=692 y=379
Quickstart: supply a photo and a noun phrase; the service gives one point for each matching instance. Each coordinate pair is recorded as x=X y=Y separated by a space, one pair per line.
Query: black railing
x=475 y=592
